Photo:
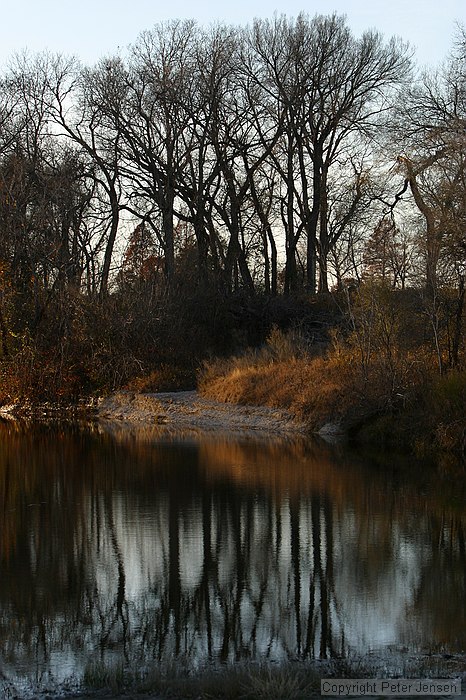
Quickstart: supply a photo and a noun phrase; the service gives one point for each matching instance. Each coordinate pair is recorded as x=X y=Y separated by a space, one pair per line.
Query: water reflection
x=146 y=547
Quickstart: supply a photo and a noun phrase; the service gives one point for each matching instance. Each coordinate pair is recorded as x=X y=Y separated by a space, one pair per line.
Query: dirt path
x=188 y=411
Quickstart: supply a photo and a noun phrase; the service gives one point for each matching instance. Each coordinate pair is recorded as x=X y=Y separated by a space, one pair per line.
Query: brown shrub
x=164 y=378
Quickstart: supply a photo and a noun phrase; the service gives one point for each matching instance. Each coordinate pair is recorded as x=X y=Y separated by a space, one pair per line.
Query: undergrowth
x=376 y=393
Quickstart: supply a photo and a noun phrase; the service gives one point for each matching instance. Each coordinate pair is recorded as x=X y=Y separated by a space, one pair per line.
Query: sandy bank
x=189 y=411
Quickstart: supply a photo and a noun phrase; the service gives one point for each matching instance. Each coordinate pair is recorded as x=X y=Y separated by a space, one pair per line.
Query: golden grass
x=316 y=390
x=396 y=397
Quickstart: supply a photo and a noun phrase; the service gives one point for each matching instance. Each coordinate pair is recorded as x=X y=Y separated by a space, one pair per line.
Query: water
x=139 y=547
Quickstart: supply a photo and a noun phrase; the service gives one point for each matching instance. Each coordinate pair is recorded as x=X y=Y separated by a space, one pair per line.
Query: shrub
x=164 y=378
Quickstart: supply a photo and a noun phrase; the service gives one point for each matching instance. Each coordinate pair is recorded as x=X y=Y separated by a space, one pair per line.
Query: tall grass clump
x=242 y=681
x=288 y=372
x=282 y=683
x=99 y=675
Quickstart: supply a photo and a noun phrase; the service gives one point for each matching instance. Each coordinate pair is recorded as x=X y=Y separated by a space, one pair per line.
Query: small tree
x=387 y=254
x=142 y=262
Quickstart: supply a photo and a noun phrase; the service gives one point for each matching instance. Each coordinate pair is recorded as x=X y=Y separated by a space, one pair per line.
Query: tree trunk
x=323 y=238
x=291 y=277
x=168 y=234
x=115 y=214
x=458 y=323
x=432 y=239
x=313 y=223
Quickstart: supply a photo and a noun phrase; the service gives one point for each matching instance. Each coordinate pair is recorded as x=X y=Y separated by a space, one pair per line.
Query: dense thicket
x=156 y=206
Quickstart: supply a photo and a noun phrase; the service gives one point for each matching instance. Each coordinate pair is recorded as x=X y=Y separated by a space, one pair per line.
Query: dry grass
x=282 y=683
x=389 y=395
x=314 y=389
x=101 y=675
x=288 y=681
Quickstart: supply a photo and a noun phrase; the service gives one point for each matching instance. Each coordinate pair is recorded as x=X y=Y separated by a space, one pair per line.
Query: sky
x=91 y=29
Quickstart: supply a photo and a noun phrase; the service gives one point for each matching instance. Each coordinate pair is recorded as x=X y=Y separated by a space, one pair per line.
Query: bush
x=164 y=378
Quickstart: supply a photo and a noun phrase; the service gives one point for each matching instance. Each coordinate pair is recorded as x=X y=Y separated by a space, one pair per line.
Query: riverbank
x=171 y=412
x=361 y=364
x=411 y=407
x=279 y=399
x=188 y=411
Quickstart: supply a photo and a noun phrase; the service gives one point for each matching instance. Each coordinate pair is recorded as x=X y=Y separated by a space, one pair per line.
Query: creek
x=136 y=546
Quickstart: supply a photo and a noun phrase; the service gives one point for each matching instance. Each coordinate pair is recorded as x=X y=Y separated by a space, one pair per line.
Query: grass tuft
x=101 y=675
x=282 y=683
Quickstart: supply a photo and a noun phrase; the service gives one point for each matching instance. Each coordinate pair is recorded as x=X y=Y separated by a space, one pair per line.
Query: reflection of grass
x=287 y=681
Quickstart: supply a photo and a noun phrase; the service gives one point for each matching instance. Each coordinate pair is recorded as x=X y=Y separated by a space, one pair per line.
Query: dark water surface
x=138 y=548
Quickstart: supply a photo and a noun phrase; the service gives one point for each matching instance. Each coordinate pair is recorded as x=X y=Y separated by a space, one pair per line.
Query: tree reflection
x=216 y=551
x=442 y=580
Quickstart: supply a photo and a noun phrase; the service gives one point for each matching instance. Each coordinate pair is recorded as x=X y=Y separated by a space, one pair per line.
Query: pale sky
x=91 y=29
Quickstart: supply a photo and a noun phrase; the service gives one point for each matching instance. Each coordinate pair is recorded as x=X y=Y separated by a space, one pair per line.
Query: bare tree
x=328 y=90
x=151 y=124
x=348 y=84
x=77 y=97
x=431 y=130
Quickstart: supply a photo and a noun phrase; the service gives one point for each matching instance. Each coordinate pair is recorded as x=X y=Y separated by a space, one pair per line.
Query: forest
x=282 y=203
